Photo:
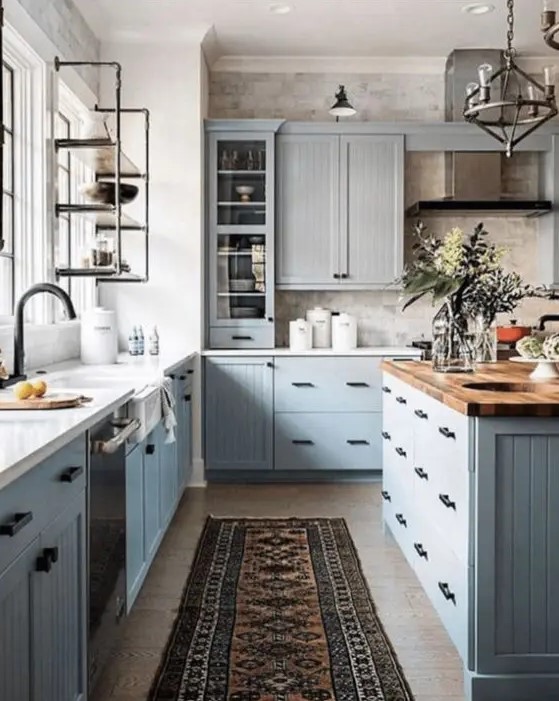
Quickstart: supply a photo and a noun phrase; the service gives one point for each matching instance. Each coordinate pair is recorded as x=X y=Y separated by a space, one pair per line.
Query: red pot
x=512 y=333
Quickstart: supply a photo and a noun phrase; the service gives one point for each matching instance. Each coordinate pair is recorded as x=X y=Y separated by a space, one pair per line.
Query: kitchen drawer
x=305 y=441
x=397 y=461
x=28 y=504
x=242 y=338
x=327 y=384
x=400 y=519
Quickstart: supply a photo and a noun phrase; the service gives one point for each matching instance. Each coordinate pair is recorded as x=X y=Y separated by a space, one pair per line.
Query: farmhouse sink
x=525 y=387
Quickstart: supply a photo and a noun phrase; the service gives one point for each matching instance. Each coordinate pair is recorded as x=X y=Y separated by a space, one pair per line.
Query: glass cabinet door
x=241 y=277
x=241 y=182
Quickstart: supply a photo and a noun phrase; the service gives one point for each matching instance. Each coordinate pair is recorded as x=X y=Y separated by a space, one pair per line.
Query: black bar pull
x=446 y=592
x=242 y=338
x=45 y=561
x=187 y=397
x=299 y=385
x=71 y=474
x=52 y=553
x=336 y=276
x=420 y=550
x=421 y=414
x=386 y=389
x=420 y=472
x=344 y=276
x=150 y=449
x=401 y=452
x=445 y=499
x=357 y=384
x=386 y=496
x=190 y=372
x=401 y=520
x=355 y=442
x=182 y=377
x=446 y=432
x=401 y=400
x=302 y=442
x=386 y=436
x=18 y=522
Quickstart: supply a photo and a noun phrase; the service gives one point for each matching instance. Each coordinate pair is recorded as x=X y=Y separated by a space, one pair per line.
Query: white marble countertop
x=373 y=351
x=29 y=437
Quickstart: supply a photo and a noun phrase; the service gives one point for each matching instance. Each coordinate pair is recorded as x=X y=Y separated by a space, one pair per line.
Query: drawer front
x=400 y=519
x=327 y=384
x=244 y=339
x=28 y=504
x=305 y=441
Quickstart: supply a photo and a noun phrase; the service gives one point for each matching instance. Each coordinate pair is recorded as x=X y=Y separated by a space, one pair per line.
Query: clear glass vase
x=453 y=342
x=485 y=340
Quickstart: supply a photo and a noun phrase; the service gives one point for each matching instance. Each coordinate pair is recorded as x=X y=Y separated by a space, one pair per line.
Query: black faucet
x=545 y=318
x=19 y=351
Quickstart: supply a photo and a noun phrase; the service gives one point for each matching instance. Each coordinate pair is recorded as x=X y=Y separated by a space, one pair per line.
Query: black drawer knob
x=386 y=496
x=446 y=592
x=446 y=432
x=296 y=442
x=386 y=436
x=190 y=372
x=420 y=472
x=445 y=499
x=401 y=452
x=271 y=319
x=336 y=276
x=182 y=377
x=269 y=365
x=150 y=449
x=71 y=474
x=420 y=550
x=357 y=384
x=421 y=414
x=386 y=390
x=301 y=385
x=46 y=560
x=344 y=276
x=357 y=442
x=187 y=397
x=17 y=524
x=401 y=520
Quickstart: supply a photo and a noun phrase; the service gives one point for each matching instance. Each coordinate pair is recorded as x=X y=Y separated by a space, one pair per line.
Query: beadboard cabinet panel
x=152 y=498
x=307 y=209
x=136 y=565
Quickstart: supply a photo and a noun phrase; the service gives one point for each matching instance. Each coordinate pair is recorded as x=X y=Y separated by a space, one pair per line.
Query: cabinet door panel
x=372 y=209
x=59 y=609
x=135 y=561
x=16 y=626
x=308 y=209
x=239 y=413
x=152 y=501
x=167 y=475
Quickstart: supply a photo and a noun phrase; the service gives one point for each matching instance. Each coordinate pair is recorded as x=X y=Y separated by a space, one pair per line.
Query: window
x=7 y=252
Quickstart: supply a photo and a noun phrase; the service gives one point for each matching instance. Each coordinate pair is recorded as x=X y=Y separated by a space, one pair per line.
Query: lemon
x=39 y=388
x=23 y=390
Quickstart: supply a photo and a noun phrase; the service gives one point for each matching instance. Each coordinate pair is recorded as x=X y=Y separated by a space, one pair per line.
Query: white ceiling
x=326 y=28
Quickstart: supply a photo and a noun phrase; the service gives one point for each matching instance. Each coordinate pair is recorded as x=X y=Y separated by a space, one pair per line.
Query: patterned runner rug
x=278 y=610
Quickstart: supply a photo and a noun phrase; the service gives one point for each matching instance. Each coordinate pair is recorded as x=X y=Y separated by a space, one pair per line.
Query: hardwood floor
x=426 y=654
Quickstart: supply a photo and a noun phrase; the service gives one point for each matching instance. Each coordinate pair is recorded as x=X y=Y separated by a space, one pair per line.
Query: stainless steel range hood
x=473 y=179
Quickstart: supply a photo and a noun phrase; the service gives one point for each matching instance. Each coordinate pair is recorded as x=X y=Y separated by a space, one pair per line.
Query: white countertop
x=373 y=351
x=29 y=437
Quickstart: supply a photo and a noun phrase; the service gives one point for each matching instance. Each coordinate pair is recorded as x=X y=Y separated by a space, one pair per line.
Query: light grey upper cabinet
x=371 y=209
x=308 y=178
x=340 y=210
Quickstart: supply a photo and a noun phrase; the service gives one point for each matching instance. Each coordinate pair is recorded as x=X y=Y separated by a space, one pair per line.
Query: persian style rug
x=278 y=610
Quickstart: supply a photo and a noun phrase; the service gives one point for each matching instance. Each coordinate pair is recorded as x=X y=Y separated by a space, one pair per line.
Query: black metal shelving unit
x=108 y=217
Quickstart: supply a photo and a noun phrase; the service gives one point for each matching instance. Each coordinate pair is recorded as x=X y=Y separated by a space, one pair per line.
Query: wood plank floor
x=428 y=658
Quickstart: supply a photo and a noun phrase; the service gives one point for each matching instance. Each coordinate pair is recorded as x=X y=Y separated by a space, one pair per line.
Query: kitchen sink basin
x=526 y=387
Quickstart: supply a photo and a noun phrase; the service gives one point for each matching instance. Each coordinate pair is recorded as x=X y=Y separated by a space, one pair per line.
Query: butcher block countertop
x=527 y=398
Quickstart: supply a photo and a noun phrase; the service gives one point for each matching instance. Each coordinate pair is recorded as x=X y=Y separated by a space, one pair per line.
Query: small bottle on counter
x=141 y=341
x=153 y=342
x=133 y=342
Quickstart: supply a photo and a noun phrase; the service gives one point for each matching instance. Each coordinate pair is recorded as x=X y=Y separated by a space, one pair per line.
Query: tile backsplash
x=44 y=345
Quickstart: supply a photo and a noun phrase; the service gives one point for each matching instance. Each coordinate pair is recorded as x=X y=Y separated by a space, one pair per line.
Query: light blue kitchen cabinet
x=239 y=413
x=152 y=495
x=168 y=486
x=136 y=565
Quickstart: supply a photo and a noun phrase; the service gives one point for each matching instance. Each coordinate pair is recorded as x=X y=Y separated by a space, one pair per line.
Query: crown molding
x=327 y=64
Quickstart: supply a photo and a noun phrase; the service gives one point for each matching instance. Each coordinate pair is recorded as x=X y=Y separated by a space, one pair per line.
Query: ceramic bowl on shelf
x=244 y=192
x=103 y=192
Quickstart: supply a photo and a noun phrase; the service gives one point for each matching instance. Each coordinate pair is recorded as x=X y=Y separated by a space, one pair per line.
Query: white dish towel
x=168 y=409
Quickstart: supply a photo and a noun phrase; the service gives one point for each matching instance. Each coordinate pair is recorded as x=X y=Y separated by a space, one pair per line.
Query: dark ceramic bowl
x=103 y=192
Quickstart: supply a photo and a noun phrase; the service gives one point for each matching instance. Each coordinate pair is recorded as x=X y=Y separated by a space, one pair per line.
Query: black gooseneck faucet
x=19 y=349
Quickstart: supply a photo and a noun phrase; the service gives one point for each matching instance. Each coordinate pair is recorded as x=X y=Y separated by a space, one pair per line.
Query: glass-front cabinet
x=241 y=238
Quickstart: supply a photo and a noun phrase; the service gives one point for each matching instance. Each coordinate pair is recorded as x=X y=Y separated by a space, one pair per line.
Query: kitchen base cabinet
x=152 y=498
x=135 y=554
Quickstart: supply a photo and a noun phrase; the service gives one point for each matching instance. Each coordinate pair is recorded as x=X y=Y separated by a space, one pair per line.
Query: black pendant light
x=342 y=107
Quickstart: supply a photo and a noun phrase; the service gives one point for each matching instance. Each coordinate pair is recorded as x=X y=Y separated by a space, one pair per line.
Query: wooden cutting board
x=51 y=401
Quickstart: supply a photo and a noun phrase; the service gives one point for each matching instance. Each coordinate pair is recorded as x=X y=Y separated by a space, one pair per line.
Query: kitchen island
x=471 y=494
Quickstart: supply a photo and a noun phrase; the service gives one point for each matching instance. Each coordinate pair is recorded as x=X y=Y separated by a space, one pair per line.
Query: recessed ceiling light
x=280 y=9
x=478 y=8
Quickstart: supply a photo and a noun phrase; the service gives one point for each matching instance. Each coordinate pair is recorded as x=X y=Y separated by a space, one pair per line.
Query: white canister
x=300 y=335
x=344 y=332
x=99 y=337
x=321 y=322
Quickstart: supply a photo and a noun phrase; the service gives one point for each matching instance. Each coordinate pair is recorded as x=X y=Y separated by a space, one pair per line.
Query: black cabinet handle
x=182 y=377
x=420 y=550
x=446 y=432
x=401 y=400
x=190 y=372
x=18 y=522
x=421 y=414
x=386 y=389
x=150 y=449
x=303 y=442
x=344 y=276
x=401 y=452
x=299 y=385
x=446 y=592
x=269 y=364
x=242 y=338
x=420 y=472
x=352 y=442
x=386 y=436
x=357 y=384
x=401 y=520
x=386 y=496
x=45 y=561
x=271 y=319
x=445 y=499
x=187 y=397
x=336 y=276
x=71 y=474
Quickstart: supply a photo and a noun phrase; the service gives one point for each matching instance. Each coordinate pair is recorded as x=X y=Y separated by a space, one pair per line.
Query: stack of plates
x=245 y=313
x=246 y=285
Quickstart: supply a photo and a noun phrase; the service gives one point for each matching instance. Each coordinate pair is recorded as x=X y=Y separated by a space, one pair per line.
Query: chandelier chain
x=510 y=32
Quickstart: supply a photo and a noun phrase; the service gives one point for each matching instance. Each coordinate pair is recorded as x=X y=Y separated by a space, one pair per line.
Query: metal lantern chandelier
x=509 y=104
